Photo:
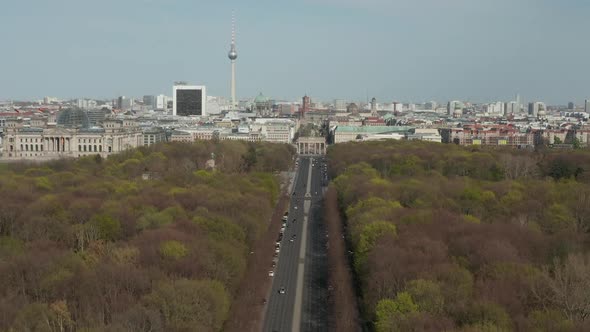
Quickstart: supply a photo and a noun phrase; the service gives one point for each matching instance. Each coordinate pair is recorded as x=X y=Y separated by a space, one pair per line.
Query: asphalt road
x=312 y=298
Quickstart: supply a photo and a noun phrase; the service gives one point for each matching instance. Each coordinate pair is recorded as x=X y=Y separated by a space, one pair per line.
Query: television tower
x=233 y=55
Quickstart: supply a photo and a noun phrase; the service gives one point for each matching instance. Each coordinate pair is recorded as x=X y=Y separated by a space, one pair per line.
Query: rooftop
x=374 y=129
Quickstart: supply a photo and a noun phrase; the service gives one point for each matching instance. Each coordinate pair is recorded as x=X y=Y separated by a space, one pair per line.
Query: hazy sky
x=404 y=50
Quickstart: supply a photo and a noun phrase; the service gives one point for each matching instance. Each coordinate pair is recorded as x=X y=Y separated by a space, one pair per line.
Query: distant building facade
x=32 y=143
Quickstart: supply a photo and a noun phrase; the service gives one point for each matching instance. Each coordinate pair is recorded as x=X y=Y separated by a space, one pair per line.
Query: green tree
x=576 y=143
x=427 y=295
x=389 y=312
x=173 y=250
x=487 y=316
x=190 y=305
x=557 y=218
x=108 y=228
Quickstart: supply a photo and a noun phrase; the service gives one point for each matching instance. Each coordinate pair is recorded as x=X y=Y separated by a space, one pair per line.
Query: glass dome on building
x=73 y=118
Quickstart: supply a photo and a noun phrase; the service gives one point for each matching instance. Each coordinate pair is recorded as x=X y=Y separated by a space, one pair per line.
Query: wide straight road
x=302 y=267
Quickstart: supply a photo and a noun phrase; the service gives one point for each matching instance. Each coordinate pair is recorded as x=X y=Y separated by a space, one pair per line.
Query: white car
x=271 y=273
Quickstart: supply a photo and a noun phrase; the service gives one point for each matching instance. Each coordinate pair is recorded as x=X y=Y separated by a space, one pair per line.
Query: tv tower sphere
x=232 y=55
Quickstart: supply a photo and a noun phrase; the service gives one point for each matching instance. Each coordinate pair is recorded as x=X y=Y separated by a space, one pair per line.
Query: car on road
x=273 y=264
x=282 y=290
x=271 y=273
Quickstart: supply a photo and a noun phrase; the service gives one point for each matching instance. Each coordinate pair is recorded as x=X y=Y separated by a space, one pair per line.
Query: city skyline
x=391 y=50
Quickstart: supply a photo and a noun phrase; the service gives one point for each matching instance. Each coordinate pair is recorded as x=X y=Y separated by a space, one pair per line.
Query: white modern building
x=511 y=108
x=161 y=102
x=497 y=108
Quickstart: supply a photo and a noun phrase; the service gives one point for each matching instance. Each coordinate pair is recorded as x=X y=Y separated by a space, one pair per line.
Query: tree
x=485 y=316
x=390 y=312
x=576 y=143
x=190 y=305
x=565 y=286
x=173 y=250
x=427 y=295
x=558 y=218
x=108 y=228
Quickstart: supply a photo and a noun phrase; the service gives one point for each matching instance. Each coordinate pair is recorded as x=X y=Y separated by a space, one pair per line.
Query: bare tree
x=566 y=286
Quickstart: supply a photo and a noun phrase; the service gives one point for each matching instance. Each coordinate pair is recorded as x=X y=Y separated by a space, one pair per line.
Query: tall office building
x=340 y=104
x=571 y=106
x=497 y=108
x=430 y=106
x=149 y=101
x=455 y=108
x=233 y=55
x=161 y=102
x=124 y=103
x=587 y=106
x=189 y=100
x=537 y=109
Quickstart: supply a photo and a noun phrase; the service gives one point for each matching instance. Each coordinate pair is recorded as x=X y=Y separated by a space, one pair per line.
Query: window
x=84 y=148
x=95 y=149
x=100 y=148
x=79 y=147
x=110 y=149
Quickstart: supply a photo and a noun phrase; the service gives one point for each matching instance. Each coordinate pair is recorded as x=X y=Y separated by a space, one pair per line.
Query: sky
x=394 y=50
